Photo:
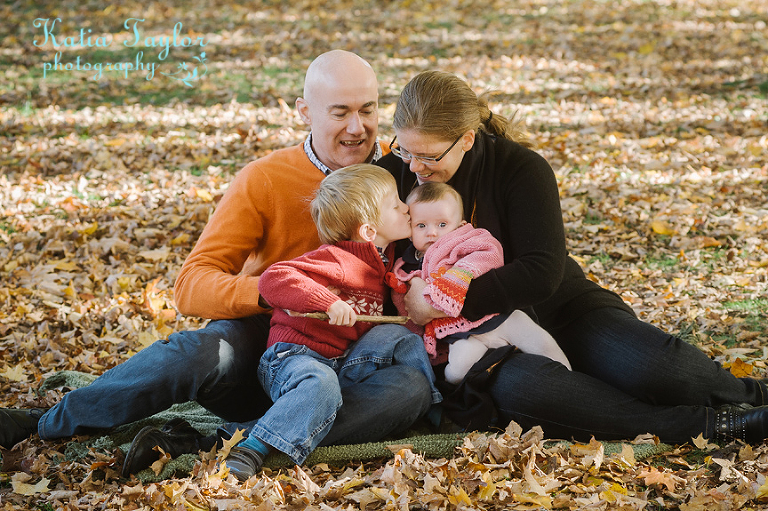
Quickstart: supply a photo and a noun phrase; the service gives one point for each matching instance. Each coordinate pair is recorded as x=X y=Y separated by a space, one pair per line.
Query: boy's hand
x=341 y=313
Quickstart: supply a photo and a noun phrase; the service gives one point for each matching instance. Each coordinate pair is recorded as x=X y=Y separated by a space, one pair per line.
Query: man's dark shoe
x=18 y=424
x=176 y=437
x=747 y=424
x=243 y=462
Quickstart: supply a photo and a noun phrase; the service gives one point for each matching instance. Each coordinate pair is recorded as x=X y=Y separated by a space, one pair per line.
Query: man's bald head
x=341 y=106
x=333 y=66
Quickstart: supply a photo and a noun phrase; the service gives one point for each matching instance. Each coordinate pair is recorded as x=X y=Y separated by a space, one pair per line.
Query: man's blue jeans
x=217 y=367
x=307 y=388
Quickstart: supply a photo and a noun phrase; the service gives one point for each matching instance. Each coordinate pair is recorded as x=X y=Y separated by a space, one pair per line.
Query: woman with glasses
x=628 y=377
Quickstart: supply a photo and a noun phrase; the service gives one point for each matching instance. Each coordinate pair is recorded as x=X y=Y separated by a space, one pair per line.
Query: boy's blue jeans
x=216 y=366
x=307 y=388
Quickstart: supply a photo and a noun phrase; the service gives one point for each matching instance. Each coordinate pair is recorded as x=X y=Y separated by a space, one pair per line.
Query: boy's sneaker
x=244 y=463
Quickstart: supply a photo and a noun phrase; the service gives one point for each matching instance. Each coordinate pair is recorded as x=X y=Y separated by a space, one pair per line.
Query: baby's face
x=430 y=221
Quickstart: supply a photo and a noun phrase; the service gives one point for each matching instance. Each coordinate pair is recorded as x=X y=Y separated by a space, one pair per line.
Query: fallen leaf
x=741 y=369
x=21 y=487
x=654 y=476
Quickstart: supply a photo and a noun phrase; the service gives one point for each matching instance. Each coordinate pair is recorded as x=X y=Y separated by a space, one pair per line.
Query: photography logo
x=185 y=72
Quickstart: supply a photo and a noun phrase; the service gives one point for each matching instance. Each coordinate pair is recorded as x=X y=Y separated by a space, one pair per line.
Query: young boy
x=448 y=253
x=358 y=215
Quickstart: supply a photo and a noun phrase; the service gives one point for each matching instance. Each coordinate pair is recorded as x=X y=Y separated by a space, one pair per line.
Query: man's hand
x=418 y=309
x=341 y=313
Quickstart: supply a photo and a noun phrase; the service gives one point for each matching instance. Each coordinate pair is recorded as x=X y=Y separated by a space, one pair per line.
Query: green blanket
x=429 y=445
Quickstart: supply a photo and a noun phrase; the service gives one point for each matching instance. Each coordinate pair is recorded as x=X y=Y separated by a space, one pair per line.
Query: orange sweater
x=263 y=218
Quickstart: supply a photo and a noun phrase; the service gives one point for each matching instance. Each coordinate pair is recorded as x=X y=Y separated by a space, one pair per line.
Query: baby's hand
x=341 y=313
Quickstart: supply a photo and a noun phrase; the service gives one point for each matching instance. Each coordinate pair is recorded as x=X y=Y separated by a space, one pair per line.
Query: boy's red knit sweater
x=349 y=271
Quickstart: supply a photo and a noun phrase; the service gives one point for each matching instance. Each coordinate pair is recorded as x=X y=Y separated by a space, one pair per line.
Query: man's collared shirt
x=322 y=166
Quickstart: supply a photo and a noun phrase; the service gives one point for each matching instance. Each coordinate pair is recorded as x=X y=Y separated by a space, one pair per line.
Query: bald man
x=263 y=218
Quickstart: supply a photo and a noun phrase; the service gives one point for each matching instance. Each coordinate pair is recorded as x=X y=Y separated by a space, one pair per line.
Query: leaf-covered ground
x=653 y=115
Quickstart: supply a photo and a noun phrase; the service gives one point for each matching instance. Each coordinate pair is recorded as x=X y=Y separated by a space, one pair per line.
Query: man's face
x=344 y=117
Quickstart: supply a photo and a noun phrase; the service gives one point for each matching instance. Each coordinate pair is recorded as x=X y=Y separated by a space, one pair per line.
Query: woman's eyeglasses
x=426 y=160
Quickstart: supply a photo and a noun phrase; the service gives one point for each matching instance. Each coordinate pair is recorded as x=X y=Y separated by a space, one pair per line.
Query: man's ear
x=366 y=232
x=303 y=108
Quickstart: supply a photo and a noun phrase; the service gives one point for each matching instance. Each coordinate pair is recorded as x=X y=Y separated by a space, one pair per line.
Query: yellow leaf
x=458 y=496
x=204 y=194
x=662 y=227
x=741 y=369
x=762 y=492
x=16 y=373
x=743 y=226
x=489 y=489
x=24 y=488
x=89 y=229
x=70 y=292
x=146 y=338
x=125 y=283
x=647 y=48
x=65 y=265
x=180 y=239
x=627 y=455
x=229 y=444
x=544 y=501
x=115 y=142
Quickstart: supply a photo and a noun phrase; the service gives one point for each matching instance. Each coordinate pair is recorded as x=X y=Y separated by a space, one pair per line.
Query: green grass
x=592 y=219
x=661 y=261
x=756 y=305
x=602 y=257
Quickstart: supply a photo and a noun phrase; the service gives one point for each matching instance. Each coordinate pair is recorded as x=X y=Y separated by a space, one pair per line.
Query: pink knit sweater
x=448 y=267
x=349 y=271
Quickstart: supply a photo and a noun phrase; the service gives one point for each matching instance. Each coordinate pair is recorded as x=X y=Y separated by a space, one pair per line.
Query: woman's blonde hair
x=442 y=104
x=348 y=198
x=433 y=192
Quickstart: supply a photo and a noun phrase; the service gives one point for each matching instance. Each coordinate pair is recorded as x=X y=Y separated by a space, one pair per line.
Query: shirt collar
x=382 y=253
x=322 y=166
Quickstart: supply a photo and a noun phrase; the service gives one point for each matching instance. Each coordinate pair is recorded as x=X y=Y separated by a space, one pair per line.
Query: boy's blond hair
x=348 y=198
x=433 y=192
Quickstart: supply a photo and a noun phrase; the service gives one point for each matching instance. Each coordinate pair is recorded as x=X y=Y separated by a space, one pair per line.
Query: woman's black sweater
x=512 y=192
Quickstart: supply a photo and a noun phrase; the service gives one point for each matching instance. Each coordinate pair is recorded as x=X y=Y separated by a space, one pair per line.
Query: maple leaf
x=230 y=442
x=654 y=476
x=703 y=444
x=741 y=369
x=22 y=487
x=158 y=465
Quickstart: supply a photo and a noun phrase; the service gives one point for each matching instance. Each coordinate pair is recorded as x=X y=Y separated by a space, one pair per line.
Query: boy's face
x=395 y=220
x=430 y=221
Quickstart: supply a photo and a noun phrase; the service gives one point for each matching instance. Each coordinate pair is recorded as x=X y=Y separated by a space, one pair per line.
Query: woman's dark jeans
x=628 y=378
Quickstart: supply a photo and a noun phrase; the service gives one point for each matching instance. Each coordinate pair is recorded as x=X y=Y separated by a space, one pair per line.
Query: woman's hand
x=341 y=313
x=418 y=309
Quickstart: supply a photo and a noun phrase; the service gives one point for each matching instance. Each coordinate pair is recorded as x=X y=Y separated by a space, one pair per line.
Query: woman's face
x=431 y=146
